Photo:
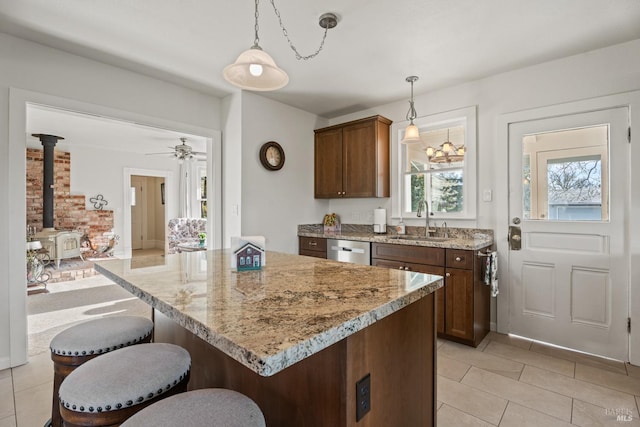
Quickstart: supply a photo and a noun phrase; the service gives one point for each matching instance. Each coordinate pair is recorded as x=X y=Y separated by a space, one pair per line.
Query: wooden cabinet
x=352 y=159
x=462 y=305
x=312 y=246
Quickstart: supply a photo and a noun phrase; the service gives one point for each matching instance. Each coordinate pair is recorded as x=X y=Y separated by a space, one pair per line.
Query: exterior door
x=568 y=210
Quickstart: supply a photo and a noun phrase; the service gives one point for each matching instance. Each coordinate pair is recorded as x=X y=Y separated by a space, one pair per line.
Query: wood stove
x=60 y=244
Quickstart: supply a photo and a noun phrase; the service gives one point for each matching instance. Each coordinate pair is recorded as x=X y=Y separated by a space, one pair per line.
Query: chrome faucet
x=426 y=214
x=446 y=231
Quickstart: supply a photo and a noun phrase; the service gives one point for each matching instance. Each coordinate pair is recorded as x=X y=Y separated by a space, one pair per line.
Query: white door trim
x=170 y=187
x=630 y=100
x=16 y=274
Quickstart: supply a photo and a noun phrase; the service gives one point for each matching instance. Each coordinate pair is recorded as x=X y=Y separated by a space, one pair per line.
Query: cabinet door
x=328 y=164
x=459 y=303
x=359 y=160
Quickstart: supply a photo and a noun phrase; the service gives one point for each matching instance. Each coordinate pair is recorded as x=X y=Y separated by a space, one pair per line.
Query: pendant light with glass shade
x=256 y=70
x=411 y=133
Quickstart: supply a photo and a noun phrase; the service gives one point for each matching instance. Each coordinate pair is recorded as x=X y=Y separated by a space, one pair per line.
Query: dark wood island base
x=397 y=351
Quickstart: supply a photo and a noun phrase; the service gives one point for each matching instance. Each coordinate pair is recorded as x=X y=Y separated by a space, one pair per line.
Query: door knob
x=515 y=238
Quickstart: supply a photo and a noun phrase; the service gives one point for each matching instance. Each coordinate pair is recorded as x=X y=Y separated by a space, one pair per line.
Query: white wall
x=50 y=72
x=611 y=70
x=275 y=202
x=606 y=71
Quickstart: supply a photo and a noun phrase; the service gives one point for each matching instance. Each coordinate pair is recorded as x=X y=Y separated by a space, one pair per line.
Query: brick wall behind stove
x=69 y=211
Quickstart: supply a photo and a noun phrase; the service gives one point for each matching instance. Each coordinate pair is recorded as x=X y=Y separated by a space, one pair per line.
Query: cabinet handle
x=447 y=274
x=313 y=244
x=458 y=259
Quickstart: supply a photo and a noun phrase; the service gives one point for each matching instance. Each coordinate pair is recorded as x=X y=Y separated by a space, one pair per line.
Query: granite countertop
x=458 y=238
x=269 y=319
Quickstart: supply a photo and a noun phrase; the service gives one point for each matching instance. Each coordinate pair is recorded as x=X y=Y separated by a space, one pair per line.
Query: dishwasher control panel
x=349 y=251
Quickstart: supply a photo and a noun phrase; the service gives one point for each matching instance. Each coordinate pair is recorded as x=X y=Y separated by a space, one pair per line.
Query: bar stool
x=107 y=390
x=207 y=407
x=81 y=343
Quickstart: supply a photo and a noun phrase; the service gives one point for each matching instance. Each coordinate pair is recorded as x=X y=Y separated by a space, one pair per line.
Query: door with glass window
x=568 y=198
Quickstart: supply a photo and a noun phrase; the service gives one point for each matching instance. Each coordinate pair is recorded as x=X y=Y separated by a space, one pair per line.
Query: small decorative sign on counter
x=331 y=223
x=248 y=253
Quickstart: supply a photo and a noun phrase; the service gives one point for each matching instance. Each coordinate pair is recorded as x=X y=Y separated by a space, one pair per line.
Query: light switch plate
x=487 y=195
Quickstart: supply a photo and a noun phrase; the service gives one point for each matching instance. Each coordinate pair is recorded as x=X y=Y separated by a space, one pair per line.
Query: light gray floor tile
x=520 y=416
x=533 y=397
x=440 y=342
x=33 y=406
x=609 y=379
x=582 y=390
x=6 y=397
x=483 y=344
x=451 y=417
x=574 y=356
x=588 y=415
x=451 y=368
x=561 y=366
x=510 y=340
x=483 y=360
x=439 y=404
x=633 y=370
x=8 y=421
x=37 y=371
x=472 y=401
x=5 y=373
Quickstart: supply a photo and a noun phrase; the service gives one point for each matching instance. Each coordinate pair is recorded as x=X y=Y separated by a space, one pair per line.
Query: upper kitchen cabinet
x=352 y=159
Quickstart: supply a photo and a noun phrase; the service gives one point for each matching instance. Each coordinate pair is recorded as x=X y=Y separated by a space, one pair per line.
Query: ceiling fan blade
x=152 y=154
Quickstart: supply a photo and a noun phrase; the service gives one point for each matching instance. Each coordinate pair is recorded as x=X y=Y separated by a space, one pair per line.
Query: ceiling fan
x=183 y=151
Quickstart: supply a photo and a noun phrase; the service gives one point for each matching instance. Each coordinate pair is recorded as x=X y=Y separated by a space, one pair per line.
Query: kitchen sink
x=420 y=238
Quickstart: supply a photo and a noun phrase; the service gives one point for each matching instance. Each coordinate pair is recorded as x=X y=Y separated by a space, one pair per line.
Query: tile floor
x=506 y=382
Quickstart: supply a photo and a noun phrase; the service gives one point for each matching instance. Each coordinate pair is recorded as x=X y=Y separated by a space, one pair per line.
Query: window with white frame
x=441 y=168
x=201 y=189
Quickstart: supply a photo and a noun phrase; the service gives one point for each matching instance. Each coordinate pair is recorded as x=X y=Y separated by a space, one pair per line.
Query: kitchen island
x=299 y=334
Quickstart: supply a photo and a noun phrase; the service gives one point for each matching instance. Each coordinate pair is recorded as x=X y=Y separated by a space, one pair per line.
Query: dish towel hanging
x=491 y=272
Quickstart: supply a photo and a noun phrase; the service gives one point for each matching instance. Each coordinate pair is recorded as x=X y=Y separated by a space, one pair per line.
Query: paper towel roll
x=380 y=220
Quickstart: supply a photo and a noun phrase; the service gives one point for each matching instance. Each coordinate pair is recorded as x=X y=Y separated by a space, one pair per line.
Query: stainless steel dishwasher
x=349 y=251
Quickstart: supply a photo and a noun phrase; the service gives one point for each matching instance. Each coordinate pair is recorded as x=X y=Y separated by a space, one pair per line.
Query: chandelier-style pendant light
x=411 y=133
x=447 y=152
x=256 y=70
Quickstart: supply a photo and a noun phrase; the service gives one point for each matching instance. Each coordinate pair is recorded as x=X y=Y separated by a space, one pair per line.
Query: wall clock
x=272 y=156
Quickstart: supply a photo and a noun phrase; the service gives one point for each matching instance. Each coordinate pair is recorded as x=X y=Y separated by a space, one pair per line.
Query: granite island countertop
x=467 y=239
x=269 y=319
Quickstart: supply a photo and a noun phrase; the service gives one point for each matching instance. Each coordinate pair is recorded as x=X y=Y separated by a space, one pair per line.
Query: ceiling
x=365 y=60
x=85 y=130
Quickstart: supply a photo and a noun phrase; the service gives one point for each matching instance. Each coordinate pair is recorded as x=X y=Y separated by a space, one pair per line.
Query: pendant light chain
x=256 y=41
x=284 y=31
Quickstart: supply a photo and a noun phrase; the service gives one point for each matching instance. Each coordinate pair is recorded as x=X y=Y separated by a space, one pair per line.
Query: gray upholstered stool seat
x=207 y=407
x=85 y=341
x=109 y=389
x=101 y=335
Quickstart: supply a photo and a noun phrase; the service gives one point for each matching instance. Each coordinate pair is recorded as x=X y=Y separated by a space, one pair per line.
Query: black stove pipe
x=48 y=142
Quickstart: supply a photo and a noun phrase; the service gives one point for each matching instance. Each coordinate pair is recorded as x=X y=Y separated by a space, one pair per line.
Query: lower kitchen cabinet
x=462 y=305
x=312 y=246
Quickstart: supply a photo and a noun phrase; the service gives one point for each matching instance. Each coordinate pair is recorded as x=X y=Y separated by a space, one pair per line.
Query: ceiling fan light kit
x=256 y=70
x=182 y=151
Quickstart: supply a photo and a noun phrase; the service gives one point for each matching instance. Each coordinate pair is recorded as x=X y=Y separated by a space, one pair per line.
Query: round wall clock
x=272 y=156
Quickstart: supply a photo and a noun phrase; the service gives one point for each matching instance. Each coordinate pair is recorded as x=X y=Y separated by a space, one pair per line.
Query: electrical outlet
x=363 y=397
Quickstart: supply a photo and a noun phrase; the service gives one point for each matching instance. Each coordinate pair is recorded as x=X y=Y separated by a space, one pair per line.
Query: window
x=444 y=175
x=565 y=175
x=201 y=189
